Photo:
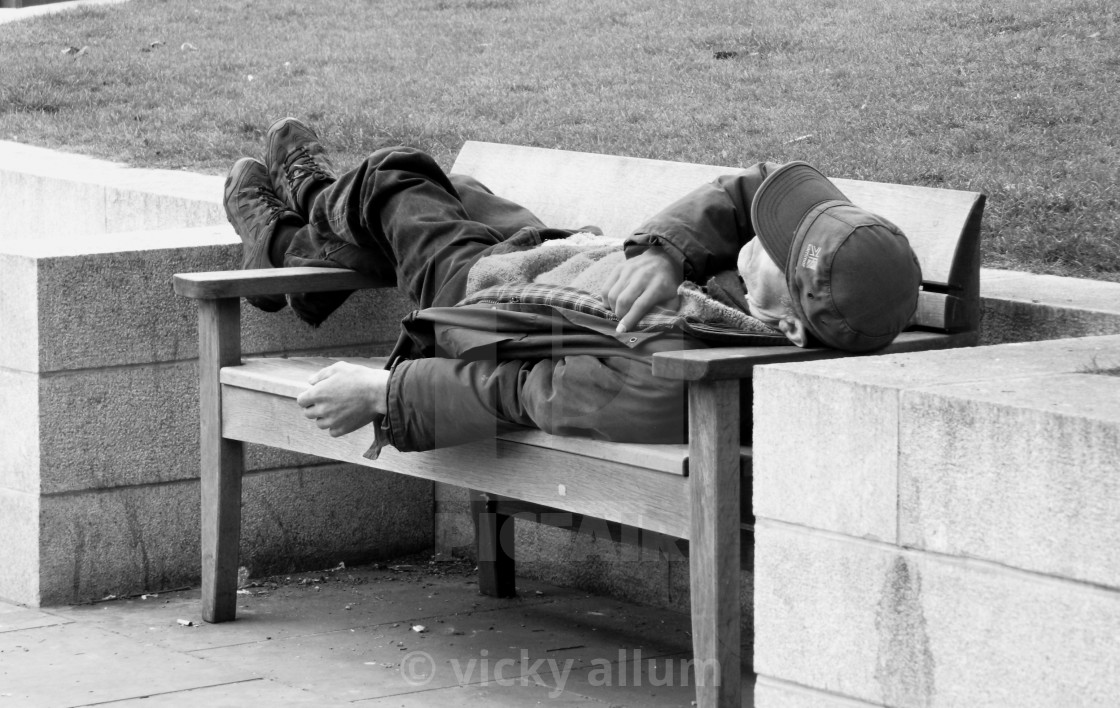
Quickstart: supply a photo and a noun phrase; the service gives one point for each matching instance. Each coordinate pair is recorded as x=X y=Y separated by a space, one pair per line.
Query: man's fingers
x=615 y=293
x=316 y=414
x=305 y=399
x=338 y=431
x=632 y=305
x=609 y=282
x=326 y=373
x=637 y=311
x=624 y=300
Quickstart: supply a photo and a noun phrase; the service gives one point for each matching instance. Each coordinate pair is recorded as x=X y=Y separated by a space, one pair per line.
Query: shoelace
x=300 y=164
x=272 y=203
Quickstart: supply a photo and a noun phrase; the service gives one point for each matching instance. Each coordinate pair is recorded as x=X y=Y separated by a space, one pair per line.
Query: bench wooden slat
x=672 y=459
x=616 y=532
x=942 y=312
x=610 y=490
x=286 y=376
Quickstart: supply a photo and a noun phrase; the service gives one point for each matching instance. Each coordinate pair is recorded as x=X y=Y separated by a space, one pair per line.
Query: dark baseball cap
x=852 y=276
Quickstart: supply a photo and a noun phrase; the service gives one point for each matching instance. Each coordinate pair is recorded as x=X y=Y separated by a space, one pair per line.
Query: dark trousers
x=399 y=217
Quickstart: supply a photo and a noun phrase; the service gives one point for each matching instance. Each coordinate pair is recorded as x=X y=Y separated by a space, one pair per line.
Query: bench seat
x=559 y=472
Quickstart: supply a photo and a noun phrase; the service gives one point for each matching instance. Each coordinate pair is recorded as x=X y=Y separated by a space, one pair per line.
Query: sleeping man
x=520 y=324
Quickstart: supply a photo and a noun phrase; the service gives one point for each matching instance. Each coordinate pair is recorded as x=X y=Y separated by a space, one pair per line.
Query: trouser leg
x=398 y=216
x=496 y=212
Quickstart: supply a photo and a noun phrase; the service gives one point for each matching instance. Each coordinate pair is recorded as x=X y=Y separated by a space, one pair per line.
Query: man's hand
x=638 y=283
x=344 y=397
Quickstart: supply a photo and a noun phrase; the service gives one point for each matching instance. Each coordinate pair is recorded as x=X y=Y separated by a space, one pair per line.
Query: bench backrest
x=571 y=189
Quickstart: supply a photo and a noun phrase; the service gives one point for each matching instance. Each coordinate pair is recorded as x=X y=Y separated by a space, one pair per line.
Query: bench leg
x=219 y=325
x=713 y=468
x=494 y=536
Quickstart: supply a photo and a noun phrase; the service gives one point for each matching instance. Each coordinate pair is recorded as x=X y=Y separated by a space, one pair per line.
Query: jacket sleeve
x=435 y=403
x=704 y=230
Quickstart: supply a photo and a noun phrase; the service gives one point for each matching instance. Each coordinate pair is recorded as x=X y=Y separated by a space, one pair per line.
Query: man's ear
x=794 y=329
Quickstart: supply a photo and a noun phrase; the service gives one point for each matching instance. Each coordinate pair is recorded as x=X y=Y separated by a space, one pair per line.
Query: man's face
x=767 y=293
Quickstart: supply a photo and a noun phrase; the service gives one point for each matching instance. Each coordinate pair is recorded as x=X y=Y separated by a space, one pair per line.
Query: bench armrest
x=722 y=363
x=275 y=281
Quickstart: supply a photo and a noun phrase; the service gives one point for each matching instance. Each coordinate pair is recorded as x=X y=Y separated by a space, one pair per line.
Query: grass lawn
x=1015 y=98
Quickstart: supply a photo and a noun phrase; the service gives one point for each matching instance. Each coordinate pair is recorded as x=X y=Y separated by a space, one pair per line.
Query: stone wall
x=940 y=529
x=99 y=461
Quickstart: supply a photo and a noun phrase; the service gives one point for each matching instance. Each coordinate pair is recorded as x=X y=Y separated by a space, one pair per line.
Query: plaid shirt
x=563 y=297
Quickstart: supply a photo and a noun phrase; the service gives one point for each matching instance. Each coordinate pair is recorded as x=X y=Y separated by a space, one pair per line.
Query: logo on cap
x=810 y=256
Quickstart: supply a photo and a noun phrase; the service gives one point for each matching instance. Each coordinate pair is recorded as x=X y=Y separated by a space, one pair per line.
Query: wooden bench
x=698 y=492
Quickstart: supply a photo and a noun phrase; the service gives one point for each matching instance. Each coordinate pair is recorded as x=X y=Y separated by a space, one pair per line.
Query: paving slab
x=78 y=665
x=636 y=679
x=14 y=618
x=303 y=606
x=259 y=692
x=490 y=647
x=345 y=636
x=514 y=694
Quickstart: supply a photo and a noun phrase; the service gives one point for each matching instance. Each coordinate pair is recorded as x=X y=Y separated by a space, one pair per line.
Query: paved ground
x=350 y=636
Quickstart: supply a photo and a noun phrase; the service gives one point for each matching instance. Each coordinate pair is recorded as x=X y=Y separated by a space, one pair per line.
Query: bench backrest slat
x=572 y=189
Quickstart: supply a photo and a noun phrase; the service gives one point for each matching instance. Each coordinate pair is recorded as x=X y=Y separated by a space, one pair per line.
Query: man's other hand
x=638 y=283
x=344 y=397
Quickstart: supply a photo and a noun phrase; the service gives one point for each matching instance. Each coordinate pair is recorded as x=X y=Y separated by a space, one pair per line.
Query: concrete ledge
x=1019 y=307
x=1020 y=471
x=1004 y=452
x=63 y=170
x=33 y=8
x=99 y=463
x=95 y=300
x=53 y=193
x=940 y=528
